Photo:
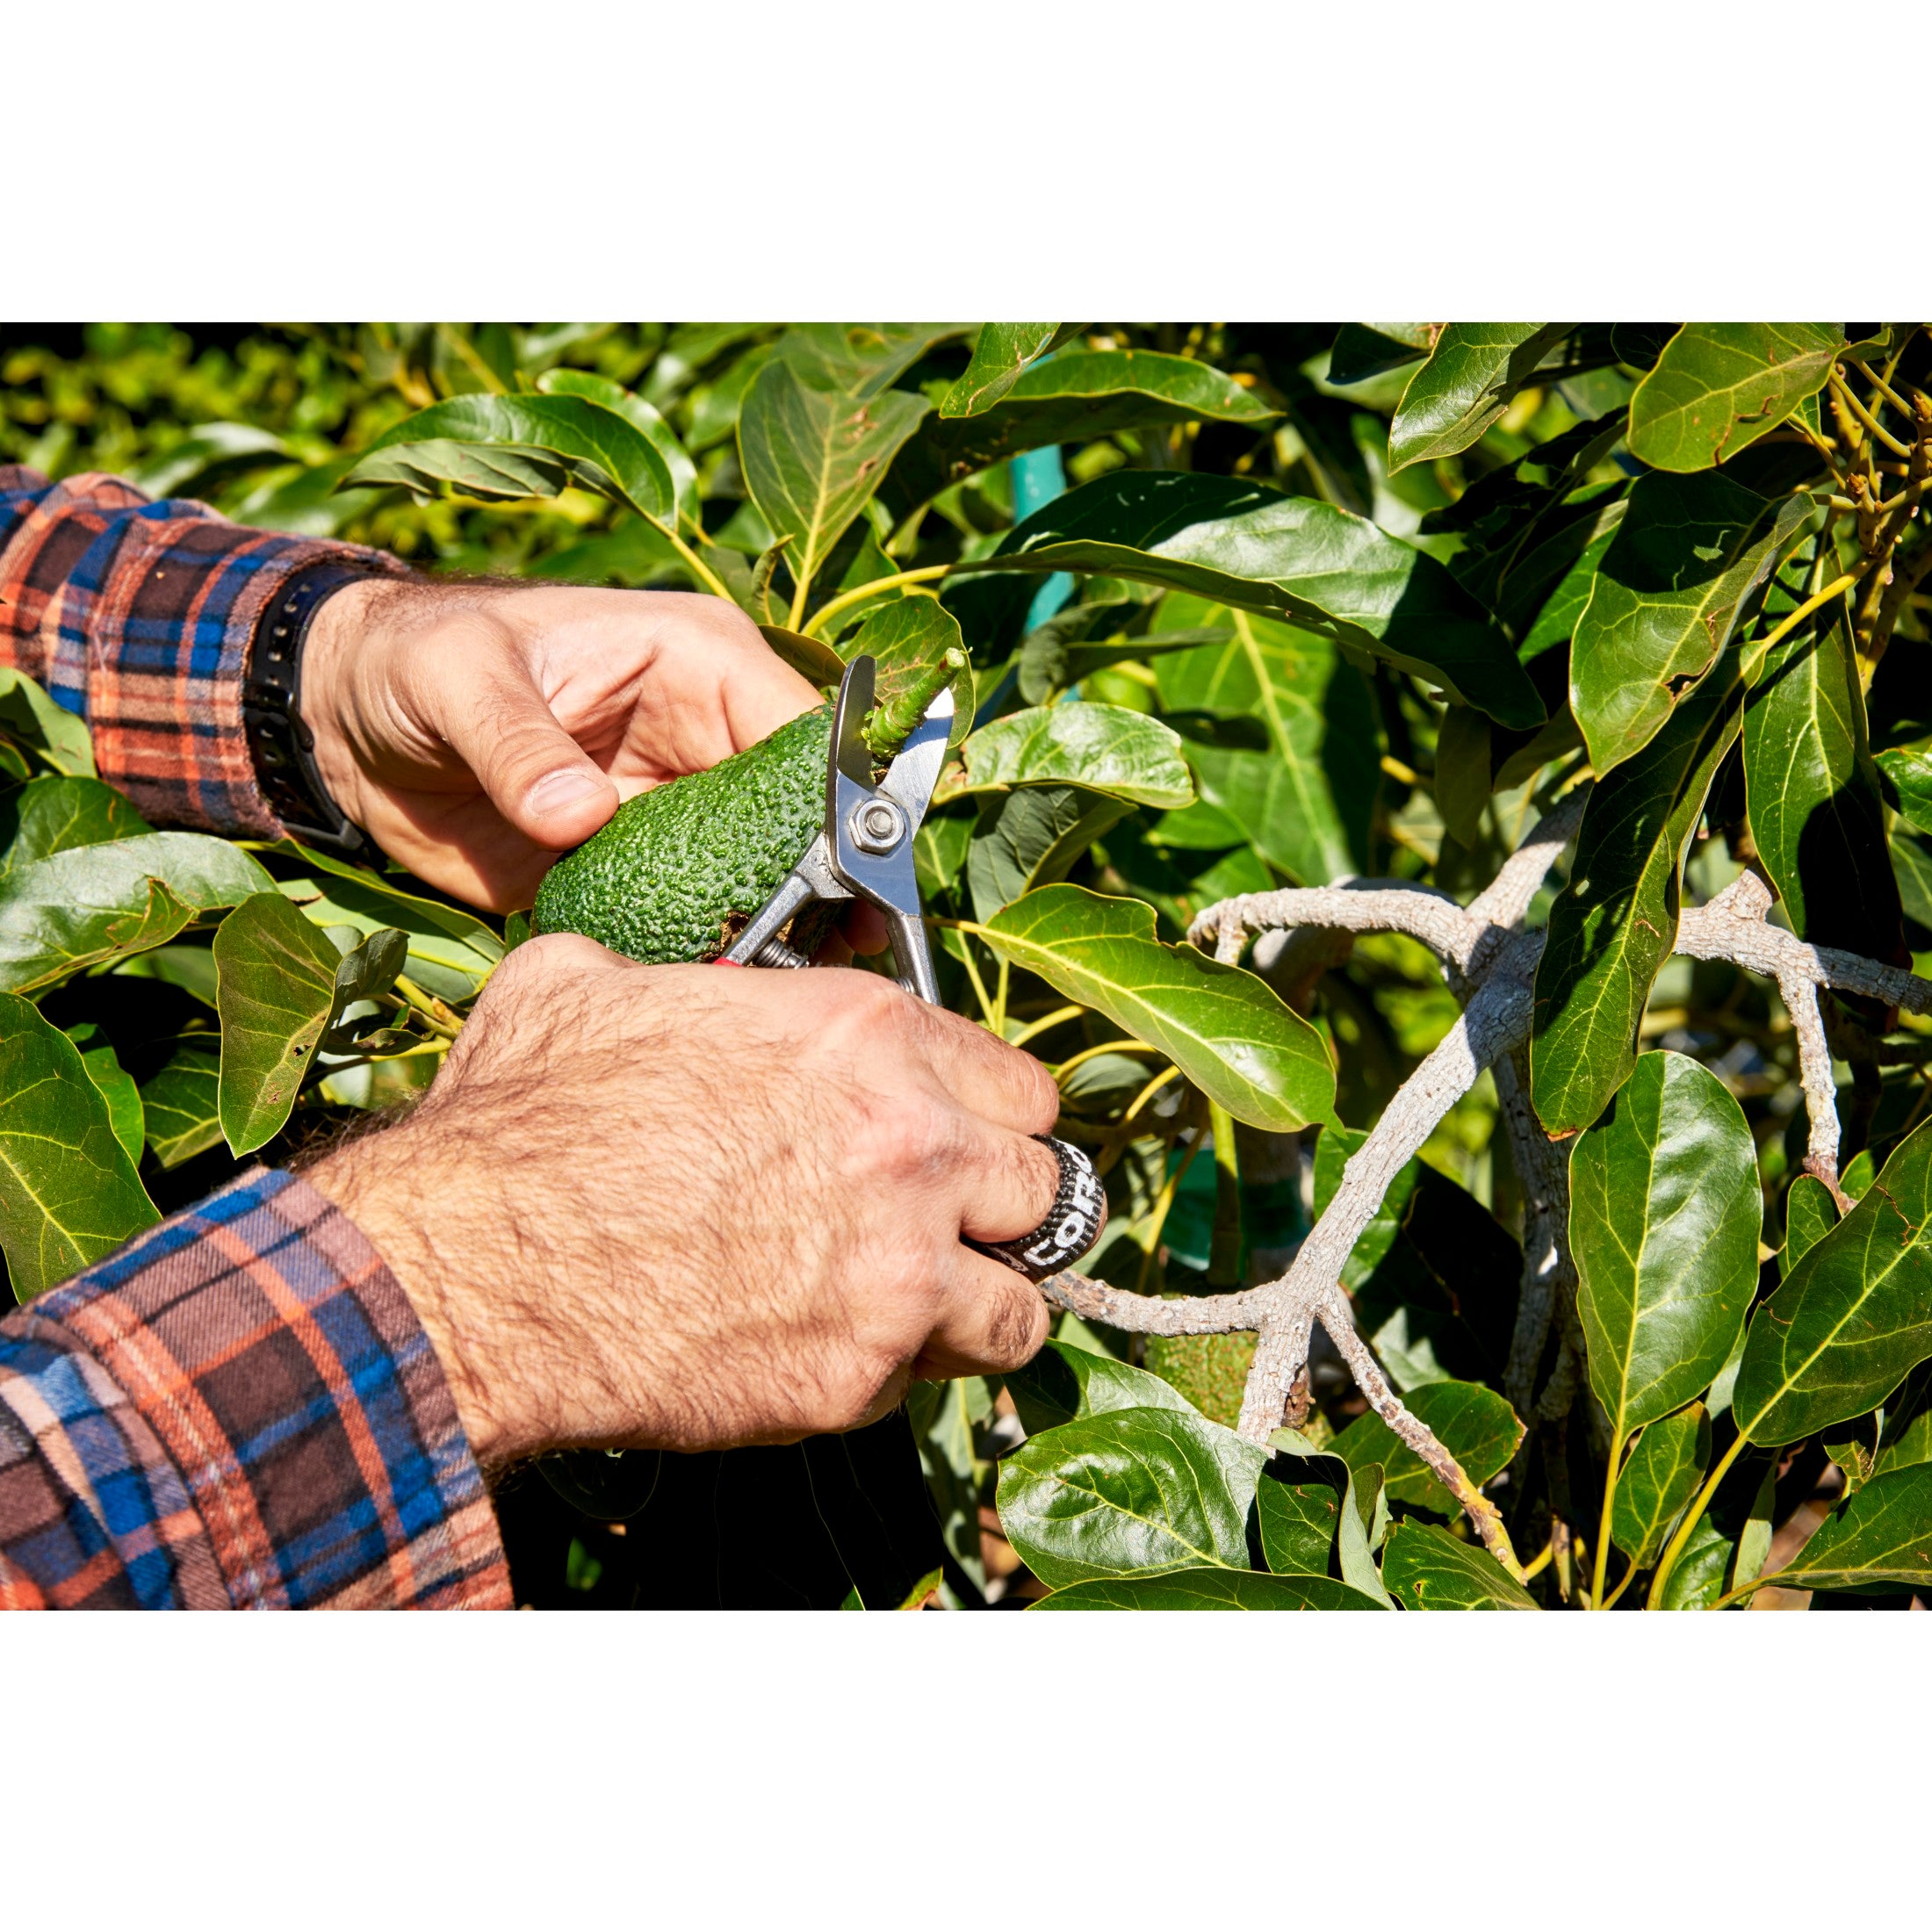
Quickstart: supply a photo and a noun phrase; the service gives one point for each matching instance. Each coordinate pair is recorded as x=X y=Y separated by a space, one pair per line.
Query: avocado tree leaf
x=1817 y=813
x=1697 y=1579
x=1001 y=352
x=1063 y=1383
x=49 y=815
x=182 y=1106
x=90 y=904
x=1032 y=837
x=1661 y=1474
x=1314 y=1516
x=1614 y=924
x=1105 y=747
x=452 y=952
x=1882 y=1534
x=30 y=717
x=1908 y=774
x=859 y=360
x=117 y=1089
x=1854 y=1316
x=1664 y=1220
x=1810 y=1214
x=814 y=456
x=1474 y=1423
x=1425 y=1567
x=1688 y=553
x=642 y=418
x=1306 y=801
x=68 y=1192
x=1250 y=546
x=1072 y=398
x=1363 y=349
x=1718 y=386
x=1134 y=1489
x=1227 y=1031
x=1202 y=1589
x=1471 y=377
x=277 y=995
x=505 y=447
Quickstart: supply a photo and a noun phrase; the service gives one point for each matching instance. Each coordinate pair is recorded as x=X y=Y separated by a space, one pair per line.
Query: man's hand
x=474 y=732
x=685 y=1207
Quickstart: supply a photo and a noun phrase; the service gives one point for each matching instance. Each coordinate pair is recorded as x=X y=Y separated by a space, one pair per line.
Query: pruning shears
x=864 y=850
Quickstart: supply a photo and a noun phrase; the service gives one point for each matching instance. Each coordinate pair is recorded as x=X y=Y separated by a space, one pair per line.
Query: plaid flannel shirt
x=239 y=1407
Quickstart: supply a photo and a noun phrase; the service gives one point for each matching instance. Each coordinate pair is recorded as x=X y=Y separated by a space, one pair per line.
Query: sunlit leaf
x=1474 y=1423
x=1208 y=1589
x=1661 y=1474
x=1425 y=1567
x=1227 y=1031
x=1719 y=385
x=1472 y=376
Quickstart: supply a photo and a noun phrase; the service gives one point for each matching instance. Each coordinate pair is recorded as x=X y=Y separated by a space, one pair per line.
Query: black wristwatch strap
x=281 y=743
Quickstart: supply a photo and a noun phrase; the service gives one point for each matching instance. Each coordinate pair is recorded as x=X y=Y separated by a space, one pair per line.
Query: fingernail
x=558 y=788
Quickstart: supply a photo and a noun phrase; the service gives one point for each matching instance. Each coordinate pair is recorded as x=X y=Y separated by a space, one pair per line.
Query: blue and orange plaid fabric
x=238 y=1407
x=139 y=616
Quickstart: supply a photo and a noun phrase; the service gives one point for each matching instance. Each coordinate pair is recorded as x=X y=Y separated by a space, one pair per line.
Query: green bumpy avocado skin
x=680 y=870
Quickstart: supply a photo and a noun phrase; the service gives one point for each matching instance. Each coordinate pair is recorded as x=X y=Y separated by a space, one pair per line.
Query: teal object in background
x=1038 y=477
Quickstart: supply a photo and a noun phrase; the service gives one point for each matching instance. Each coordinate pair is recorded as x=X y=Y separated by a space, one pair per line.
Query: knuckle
x=1016 y=1329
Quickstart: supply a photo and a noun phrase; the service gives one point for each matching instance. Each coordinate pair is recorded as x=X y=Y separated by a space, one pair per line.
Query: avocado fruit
x=680 y=870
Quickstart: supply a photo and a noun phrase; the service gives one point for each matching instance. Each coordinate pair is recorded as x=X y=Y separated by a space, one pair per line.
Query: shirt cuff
x=140 y=615
x=240 y=1407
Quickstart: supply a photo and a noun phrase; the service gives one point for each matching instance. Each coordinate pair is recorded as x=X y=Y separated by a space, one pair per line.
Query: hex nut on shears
x=876 y=827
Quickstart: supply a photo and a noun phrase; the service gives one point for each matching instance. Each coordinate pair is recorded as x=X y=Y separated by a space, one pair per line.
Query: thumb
x=541 y=779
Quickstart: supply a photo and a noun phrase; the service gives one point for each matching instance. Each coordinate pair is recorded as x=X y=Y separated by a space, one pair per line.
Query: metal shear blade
x=865 y=849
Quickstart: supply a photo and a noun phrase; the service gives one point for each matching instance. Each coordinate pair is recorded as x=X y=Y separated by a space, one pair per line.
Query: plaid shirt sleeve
x=237 y=1408
x=139 y=617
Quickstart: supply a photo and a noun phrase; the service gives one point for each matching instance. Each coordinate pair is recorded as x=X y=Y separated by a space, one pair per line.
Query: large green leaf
x=859 y=360
x=1474 y=1423
x=1853 y=1317
x=1208 y=1589
x=1135 y=1489
x=77 y=908
x=1425 y=1567
x=1366 y=349
x=1613 y=925
x=1031 y=838
x=642 y=418
x=1072 y=398
x=1063 y=1383
x=1315 y=1517
x=1688 y=553
x=1817 y=814
x=1883 y=1534
x=1718 y=387
x=1471 y=377
x=277 y=993
x=68 y=1192
x=1696 y=1579
x=1661 y=1475
x=1105 y=747
x=1307 y=801
x=504 y=447
x=812 y=455
x=182 y=1106
x=49 y=815
x=1664 y=1219
x=1248 y=545
x=1227 y=1031
x=1001 y=352
x=452 y=952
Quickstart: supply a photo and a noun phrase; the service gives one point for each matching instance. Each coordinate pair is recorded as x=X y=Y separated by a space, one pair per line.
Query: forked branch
x=1490 y=963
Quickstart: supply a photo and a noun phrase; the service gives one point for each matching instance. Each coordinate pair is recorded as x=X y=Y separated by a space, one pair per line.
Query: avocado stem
x=887 y=726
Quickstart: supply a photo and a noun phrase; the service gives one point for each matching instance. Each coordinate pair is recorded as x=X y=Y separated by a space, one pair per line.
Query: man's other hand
x=686 y=1206
x=474 y=732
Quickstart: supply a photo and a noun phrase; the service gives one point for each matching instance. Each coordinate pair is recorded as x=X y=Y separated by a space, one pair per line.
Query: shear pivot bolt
x=877 y=826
